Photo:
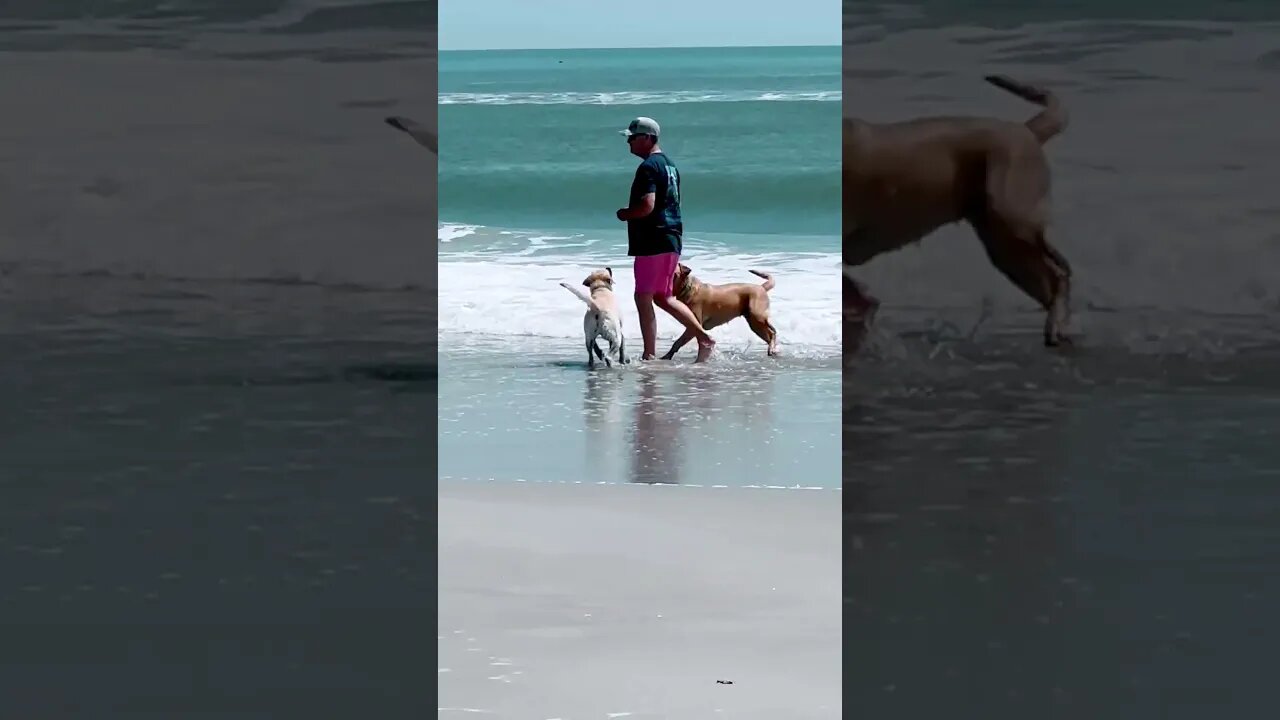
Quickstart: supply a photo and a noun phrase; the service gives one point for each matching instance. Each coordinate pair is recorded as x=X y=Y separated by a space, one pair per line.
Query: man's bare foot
x=704 y=351
x=647 y=357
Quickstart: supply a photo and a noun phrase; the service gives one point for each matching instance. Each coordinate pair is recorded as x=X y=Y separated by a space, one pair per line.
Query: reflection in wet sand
x=669 y=423
x=656 y=446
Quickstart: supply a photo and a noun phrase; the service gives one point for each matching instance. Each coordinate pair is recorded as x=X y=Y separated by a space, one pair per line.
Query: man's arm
x=644 y=204
x=641 y=208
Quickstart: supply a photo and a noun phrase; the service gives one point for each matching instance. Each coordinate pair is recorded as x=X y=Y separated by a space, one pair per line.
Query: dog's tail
x=768 y=279
x=581 y=296
x=1048 y=122
x=425 y=137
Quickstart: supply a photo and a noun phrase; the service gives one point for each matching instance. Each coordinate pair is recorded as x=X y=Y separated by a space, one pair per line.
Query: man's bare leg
x=648 y=325
x=681 y=312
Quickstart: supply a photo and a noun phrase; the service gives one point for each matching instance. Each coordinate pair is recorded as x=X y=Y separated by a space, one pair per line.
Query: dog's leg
x=764 y=330
x=858 y=312
x=856 y=300
x=1021 y=253
x=679 y=343
x=858 y=306
x=615 y=347
x=600 y=353
x=1011 y=225
x=757 y=317
x=591 y=358
x=622 y=349
x=1063 y=269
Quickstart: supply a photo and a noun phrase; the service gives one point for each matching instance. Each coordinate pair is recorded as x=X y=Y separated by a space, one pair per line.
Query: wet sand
x=747 y=420
x=568 y=600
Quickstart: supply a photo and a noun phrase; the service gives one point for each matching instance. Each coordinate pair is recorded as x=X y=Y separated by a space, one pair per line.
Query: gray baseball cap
x=641 y=126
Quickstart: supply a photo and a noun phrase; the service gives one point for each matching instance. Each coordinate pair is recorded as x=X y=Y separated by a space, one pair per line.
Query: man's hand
x=638 y=211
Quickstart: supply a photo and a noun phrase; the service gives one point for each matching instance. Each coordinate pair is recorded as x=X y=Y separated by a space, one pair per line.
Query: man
x=654 y=238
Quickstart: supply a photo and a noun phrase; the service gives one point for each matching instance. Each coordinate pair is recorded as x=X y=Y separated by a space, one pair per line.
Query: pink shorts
x=655 y=273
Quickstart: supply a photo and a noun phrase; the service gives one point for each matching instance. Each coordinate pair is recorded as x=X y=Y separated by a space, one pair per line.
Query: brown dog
x=715 y=305
x=904 y=180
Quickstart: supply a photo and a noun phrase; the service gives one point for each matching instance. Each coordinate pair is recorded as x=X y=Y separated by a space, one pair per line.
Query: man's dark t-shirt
x=661 y=230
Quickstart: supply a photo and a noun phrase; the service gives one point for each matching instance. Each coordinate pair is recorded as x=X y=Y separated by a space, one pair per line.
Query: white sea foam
x=517 y=296
x=448 y=232
x=638 y=97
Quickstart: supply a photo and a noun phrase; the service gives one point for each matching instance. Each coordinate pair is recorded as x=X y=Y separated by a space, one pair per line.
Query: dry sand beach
x=576 y=601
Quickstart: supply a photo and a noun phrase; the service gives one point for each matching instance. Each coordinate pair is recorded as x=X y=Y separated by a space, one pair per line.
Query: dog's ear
x=587 y=282
x=610 y=271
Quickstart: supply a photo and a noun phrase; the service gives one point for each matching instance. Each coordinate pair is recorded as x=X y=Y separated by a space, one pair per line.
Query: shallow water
x=744 y=420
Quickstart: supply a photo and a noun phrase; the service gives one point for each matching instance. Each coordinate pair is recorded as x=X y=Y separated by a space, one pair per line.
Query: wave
x=801 y=199
x=638 y=97
x=945 y=310
x=503 y=286
x=449 y=232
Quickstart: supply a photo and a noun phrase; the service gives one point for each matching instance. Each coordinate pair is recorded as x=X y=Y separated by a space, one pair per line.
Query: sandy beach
x=580 y=600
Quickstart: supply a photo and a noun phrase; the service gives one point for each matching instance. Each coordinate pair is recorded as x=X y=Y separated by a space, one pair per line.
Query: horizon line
x=647 y=47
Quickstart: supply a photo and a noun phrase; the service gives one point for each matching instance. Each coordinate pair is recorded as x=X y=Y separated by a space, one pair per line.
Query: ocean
x=216 y=358
x=532 y=169
x=1088 y=533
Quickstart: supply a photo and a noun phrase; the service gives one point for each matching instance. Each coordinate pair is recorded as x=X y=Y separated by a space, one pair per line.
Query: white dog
x=602 y=319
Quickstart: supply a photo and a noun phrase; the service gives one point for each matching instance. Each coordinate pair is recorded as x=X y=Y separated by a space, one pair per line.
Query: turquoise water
x=531 y=142
x=532 y=169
